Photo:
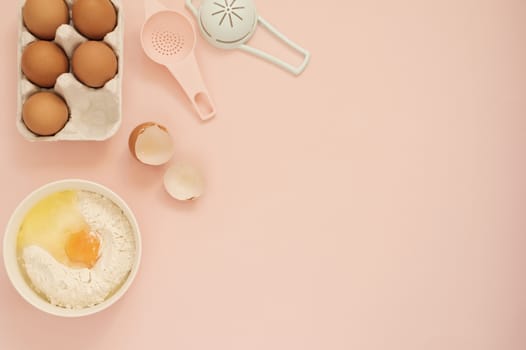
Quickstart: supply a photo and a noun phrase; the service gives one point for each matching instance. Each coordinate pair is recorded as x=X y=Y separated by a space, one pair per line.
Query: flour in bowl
x=76 y=288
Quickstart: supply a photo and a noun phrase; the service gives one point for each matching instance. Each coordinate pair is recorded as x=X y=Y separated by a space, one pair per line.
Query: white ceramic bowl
x=10 y=239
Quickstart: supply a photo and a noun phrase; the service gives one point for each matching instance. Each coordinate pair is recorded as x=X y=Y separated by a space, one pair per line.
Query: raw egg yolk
x=83 y=248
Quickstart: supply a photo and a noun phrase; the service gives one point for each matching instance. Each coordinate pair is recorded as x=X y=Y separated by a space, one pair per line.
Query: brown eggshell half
x=137 y=133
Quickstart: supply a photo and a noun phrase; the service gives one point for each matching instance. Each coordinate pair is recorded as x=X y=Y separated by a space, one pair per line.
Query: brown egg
x=43 y=17
x=43 y=62
x=94 y=63
x=94 y=18
x=45 y=113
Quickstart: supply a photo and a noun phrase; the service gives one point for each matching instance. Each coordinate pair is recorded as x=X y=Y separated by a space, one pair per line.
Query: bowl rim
x=9 y=249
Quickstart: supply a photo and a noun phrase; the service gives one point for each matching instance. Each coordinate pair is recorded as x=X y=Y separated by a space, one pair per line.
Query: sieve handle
x=273 y=59
x=188 y=75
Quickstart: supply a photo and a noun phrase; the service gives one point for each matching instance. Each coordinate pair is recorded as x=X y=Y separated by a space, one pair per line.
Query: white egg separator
x=229 y=24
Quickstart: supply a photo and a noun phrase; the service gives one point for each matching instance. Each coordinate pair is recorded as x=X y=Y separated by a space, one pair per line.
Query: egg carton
x=95 y=114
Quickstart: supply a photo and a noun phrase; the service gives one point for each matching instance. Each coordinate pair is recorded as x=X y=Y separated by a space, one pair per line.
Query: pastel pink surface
x=376 y=202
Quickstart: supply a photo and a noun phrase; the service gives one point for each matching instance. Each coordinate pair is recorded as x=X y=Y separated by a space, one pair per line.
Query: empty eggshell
x=151 y=144
x=184 y=182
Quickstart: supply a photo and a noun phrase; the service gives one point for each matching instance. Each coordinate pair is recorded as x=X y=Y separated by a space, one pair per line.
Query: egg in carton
x=94 y=114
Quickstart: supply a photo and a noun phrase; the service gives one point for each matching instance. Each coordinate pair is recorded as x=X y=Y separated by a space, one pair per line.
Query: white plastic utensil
x=229 y=24
x=168 y=38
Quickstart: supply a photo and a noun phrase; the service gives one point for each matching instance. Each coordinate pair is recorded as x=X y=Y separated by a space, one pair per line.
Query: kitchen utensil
x=229 y=24
x=168 y=38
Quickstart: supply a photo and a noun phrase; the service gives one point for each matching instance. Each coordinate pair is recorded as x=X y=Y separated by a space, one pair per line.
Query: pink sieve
x=168 y=38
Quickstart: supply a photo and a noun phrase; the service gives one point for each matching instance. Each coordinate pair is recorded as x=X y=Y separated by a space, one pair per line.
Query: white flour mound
x=80 y=288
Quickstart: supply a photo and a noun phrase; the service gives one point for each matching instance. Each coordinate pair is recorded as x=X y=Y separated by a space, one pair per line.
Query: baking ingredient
x=94 y=63
x=50 y=223
x=51 y=226
x=43 y=17
x=151 y=144
x=83 y=248
x=94 y=18
x=43 y=62
x=94 y=114
x=45 y=113
x=184 y=182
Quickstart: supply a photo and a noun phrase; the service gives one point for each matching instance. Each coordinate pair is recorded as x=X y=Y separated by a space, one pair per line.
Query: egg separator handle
x=187 y=73
x=272 y=59
x=193 y=9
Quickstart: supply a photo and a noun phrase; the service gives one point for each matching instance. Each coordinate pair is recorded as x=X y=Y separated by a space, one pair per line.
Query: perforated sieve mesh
x=167 y=43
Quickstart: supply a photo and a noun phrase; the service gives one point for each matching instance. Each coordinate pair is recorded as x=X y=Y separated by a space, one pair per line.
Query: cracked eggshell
x=184 y=182
x=151 y=144
x=95 y=114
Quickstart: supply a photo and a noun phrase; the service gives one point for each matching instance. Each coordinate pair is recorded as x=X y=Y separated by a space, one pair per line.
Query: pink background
x=376 y=202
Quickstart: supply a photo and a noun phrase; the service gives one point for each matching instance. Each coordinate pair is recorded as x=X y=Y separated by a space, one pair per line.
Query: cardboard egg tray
x=95 y=114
